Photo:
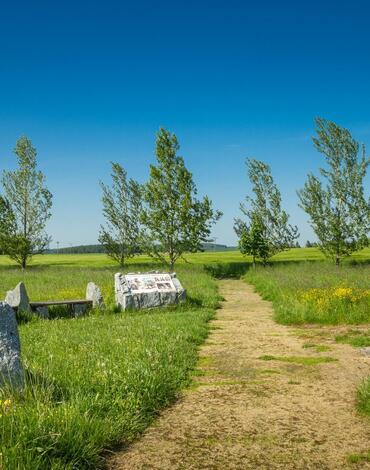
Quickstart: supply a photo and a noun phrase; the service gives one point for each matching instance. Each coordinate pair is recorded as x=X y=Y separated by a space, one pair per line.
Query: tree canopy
x=28 y=206
x=176 y=221
x=335 y=202
x=266 y=230
x=122 y=208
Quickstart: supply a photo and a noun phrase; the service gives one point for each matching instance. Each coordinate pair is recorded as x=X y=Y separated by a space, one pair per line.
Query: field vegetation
x=316 y=292
x=96 y=381
x=321 y=293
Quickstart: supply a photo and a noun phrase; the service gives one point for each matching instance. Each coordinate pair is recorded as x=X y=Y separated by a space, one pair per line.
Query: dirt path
x=249 y=413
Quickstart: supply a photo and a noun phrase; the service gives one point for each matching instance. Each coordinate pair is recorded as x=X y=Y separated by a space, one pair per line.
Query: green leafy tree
x=122 y=205
x=339 y=212
x=6 y=222
x=266 y=231
x=176 y=222
x=29 y=206
x=251 y=239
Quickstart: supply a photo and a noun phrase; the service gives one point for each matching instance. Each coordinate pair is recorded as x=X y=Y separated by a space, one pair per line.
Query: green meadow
x=54 y=277
x=315 y=292
x=98 y=381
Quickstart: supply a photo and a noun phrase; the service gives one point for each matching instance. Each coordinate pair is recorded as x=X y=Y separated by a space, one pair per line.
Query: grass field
x=96 y=381
x=316 y=292
x=99 y=380
x=54 y=277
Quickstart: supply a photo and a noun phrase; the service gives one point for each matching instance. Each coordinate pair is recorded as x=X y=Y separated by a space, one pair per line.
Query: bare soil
x=245 y=412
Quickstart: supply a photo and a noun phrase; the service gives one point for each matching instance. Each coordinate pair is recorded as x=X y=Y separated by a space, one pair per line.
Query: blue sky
x=91 y=82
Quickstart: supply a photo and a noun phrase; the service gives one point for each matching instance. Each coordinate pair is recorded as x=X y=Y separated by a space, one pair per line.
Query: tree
x=336 y=204
x=122 y=205
x=28 y=204
x=266 y=231
x=251 y=239
x=6 y=222
x=176 y=222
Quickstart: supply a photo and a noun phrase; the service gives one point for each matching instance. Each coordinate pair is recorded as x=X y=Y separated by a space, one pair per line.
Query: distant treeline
x=80 y=249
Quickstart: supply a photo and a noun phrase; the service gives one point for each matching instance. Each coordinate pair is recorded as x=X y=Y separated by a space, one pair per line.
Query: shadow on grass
x=38 y=385
x=233 y=270
x=358 y=262
x=61 y=311
x=24 y=317
x=237 y=269
x=56 y=312
x=192 y=302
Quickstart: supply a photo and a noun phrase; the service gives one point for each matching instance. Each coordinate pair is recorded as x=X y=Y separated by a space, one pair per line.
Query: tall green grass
x=63 y=282
x=99 y=380
x=310 y=292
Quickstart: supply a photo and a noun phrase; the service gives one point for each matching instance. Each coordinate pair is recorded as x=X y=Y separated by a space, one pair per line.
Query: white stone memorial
x=147 y=290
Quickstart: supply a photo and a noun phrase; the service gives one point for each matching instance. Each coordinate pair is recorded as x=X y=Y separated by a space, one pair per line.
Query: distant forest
x=100 y=249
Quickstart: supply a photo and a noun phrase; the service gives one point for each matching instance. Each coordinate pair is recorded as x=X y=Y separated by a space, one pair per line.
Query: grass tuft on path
x=316 y=347
x=358 y=339
x=358 y=458
x=304 y=361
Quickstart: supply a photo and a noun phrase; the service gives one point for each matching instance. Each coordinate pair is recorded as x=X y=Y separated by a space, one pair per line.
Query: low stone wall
x=18 y=299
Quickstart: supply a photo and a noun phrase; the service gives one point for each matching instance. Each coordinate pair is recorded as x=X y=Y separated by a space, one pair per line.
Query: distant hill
x=217 y=247
x=80 y=249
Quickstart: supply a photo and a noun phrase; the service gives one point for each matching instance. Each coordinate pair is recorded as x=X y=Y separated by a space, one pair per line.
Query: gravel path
x=246 y=412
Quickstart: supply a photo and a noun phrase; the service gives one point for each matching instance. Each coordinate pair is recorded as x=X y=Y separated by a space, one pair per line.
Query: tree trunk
x=337 y=259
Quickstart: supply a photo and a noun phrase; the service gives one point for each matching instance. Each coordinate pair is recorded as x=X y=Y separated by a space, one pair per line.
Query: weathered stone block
x=18 y=298
x=11 y=370
x=94 y=294
x=79 y=309
x=42 y=312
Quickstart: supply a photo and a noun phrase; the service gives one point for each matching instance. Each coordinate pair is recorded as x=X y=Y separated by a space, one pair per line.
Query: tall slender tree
x=6 y=222
x=29 y=202
x=252 y=240
x=336 y=203
x=122 y=205
x=176 y=221
x=267 y=230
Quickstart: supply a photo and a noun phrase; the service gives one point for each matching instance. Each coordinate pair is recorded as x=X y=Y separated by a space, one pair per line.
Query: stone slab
x=11 y=370
x=147 y=290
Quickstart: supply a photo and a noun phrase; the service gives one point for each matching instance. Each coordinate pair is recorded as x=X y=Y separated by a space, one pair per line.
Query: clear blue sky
x=91 y=82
